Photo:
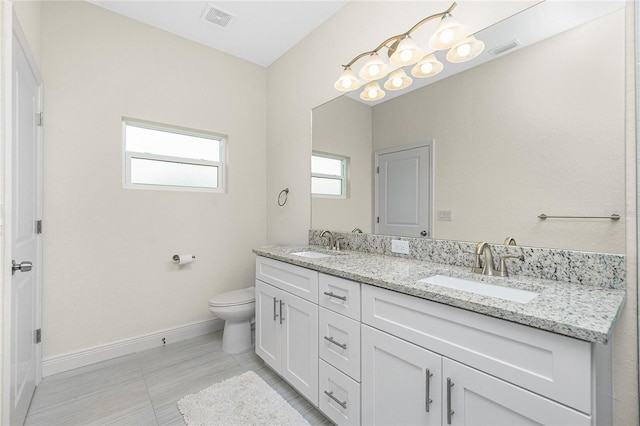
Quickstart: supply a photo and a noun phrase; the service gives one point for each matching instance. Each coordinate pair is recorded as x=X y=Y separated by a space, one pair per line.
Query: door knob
x=424 y=233
x=24 y=266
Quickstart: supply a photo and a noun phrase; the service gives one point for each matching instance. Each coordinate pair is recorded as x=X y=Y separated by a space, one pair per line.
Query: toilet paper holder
x=176 y=258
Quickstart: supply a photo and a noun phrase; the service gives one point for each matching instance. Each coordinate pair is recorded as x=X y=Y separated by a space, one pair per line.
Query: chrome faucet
x=483 y=248
x=332 y=240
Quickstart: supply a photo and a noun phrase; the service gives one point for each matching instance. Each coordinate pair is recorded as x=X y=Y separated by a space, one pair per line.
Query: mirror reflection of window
x=328 y=175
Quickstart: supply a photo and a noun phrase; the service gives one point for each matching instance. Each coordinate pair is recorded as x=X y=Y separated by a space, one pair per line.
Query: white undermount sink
x=484 y=289
x=311 y=254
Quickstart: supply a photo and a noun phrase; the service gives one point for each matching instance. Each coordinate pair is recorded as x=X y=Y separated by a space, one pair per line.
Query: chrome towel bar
x=612 y=217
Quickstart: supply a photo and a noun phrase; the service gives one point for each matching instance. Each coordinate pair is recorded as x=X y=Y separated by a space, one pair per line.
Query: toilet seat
x=234 y=298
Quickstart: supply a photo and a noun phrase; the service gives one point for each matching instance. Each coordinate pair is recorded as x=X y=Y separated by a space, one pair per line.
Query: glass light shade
x=466 y=50
x=398 y=80
x=427 y=67
x=374 y=68
x=448 y=34
x=347 y=81
x=407 y=53
x=372 y=92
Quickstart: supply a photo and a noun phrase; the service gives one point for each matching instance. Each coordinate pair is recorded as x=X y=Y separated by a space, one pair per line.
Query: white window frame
x=129 y=155
x=343 y=179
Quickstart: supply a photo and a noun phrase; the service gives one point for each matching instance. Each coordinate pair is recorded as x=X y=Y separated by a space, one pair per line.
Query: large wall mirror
x=538 y=129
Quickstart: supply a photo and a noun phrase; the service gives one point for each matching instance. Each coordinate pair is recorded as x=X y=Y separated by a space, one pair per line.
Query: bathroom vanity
x=368 y=341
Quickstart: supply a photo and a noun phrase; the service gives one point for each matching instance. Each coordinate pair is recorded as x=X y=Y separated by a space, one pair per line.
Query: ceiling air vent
x=216 y=16
x=496 y=51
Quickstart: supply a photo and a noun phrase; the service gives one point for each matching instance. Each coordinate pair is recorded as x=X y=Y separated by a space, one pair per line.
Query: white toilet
x=237 y=308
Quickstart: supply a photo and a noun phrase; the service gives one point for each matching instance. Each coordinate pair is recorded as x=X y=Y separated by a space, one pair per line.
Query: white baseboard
x=70 y=360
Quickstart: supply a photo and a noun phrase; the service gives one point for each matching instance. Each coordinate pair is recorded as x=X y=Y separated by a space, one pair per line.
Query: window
x=328 y=175
x=172 y=158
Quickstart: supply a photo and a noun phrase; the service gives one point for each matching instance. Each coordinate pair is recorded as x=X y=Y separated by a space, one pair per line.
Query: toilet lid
x=234 y=297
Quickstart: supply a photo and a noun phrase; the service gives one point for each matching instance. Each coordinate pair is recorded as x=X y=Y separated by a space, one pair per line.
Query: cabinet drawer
x=296 y=280
x=551 y=365
x=339 y=339
x=340 y=295
x=339 y=396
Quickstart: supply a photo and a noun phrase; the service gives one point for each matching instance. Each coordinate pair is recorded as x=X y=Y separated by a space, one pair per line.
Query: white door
x=400 y=381
x=24 y=201
x=268 y=345
x=475 y=398
x=403 y=191
x=300 y=345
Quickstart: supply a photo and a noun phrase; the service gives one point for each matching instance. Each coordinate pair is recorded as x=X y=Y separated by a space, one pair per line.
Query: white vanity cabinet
x=287 y=323
x=482 y=370
x=365 y=355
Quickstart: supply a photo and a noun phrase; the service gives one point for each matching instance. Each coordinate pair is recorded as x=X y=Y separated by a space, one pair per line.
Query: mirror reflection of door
x=403 y=195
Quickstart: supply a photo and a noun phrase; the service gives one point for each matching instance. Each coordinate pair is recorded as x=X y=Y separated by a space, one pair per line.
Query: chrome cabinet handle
x=450 y=412
x=341 y=403
x=330 y=340
x=24 y=266
x=331 y=294
x=281 y=316
x=274 y=308
x=428 y=400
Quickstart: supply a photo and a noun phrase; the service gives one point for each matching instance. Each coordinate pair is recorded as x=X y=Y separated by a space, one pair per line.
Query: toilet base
x=236 y=336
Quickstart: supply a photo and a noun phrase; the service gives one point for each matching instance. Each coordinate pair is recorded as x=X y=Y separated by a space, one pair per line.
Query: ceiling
x=257 y=31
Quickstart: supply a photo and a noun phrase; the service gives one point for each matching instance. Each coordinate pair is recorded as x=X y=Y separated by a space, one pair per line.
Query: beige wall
x=538 y=131
x=291 y=96
x=343 y=127
x=108 y=268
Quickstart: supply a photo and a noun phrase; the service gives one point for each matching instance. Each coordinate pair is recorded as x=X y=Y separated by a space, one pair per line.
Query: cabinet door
x=300 y=345
x=401 y=382
x=475 y=398
x=268 y=344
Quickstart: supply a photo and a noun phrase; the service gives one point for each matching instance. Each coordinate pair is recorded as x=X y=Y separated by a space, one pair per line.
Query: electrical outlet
x=445 y=215
x=398 y=246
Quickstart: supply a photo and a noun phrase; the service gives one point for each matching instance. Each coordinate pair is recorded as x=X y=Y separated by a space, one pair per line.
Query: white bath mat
x=241 y=400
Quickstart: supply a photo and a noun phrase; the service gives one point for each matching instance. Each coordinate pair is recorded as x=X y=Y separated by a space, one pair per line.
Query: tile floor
x=143 y=388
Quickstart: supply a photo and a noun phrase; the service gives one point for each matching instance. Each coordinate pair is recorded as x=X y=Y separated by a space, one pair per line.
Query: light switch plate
x=398 y=246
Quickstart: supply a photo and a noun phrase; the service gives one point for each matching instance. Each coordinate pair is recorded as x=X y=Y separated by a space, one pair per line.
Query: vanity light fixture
x=466 y=50
x=398 y=80
x=403 y=51
x=372 y=92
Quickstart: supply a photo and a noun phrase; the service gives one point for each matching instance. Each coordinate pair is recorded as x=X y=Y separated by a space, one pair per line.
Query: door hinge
x=39 y=118
x=38 y=335
x=378 y=170
x=38 y=227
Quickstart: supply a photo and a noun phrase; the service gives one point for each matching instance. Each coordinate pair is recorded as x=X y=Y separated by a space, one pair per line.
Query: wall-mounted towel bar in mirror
x=612 y=217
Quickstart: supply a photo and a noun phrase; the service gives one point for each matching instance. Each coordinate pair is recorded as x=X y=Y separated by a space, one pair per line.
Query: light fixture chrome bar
x=396 y=38
x=612 y=217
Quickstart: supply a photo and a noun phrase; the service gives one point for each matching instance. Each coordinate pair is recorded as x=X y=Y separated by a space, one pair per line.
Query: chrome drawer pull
x=330 y=340
x=450 y=412
x=330 y=294
x=330 y=395
x=428 y=399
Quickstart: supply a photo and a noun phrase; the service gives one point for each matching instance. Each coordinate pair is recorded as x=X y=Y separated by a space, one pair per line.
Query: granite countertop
x=580 y=311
